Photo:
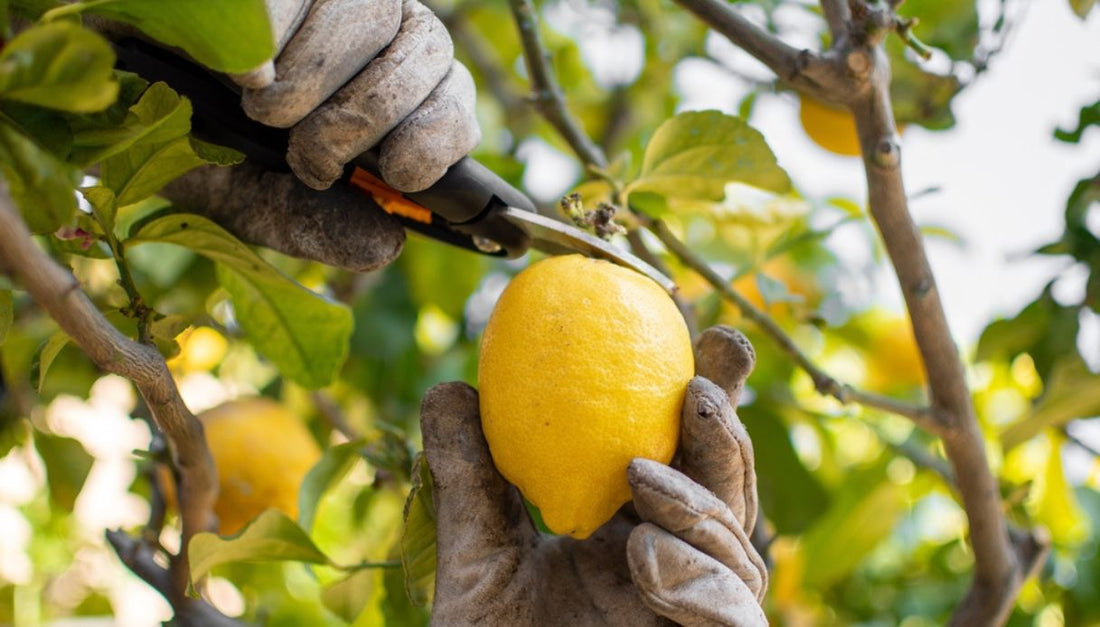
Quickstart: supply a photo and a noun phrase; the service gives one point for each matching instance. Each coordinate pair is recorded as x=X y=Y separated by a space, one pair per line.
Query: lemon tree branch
x=56 y=290
x=546 y=94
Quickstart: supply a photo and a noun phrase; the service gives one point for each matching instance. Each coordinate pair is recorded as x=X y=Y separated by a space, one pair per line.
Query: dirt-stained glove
x=353 y=74
x=349 y=75
x=679 y=553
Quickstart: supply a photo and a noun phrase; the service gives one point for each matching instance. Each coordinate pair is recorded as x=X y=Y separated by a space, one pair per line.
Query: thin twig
x=334 y=415
x=57 y=291
x=823 y=382
x=139 y=558
x=468 y=40
x=804 y=69
x=638 y=246
x=1079 y=443
x=545 y=91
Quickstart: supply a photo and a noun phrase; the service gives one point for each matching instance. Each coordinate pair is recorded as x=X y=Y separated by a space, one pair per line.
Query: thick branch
x=997 y=575
x=57 y=291
x=545 y=91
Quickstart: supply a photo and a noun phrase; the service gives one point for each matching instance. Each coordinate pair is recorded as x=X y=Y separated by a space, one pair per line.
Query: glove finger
x=715 y=449
x=684 y=585
x=373 y=103
x=726 y=357
x=339 y=227
x=337 y=40
x=442 y=130
x=285 y=17
x=482 y=527
x=672 y=501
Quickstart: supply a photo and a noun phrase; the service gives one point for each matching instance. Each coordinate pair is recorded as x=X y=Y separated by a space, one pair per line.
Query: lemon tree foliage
x=861 y=528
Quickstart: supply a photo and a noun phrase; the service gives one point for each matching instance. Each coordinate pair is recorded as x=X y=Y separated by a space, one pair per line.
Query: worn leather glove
x=349 y=75
x=353 y=74
x=679 y=552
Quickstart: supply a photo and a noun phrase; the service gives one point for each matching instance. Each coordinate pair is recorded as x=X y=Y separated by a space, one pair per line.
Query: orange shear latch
x=393 y=201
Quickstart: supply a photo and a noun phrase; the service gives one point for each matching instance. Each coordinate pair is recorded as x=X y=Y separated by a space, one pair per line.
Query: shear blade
x=557 y=238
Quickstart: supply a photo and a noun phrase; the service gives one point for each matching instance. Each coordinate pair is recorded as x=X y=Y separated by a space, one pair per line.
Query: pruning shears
x=470 y=207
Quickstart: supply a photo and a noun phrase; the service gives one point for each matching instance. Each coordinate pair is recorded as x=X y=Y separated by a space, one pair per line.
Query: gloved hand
x=349 y=75
x=679 y=552
x=353 y=74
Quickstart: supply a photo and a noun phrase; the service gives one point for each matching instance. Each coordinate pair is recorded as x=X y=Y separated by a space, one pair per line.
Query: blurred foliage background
x=862 y=525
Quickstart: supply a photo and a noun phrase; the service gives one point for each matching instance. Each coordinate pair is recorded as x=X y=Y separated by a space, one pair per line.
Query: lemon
x=893 y=360
x=583 y=367
x=201 y=349
x=262 y=452
x=831 y=127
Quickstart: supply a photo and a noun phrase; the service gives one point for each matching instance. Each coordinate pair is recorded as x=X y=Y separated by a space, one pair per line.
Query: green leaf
x=418 y=537
x=693 y=156
x=153 y=150
x=67 y=466
x=303 y=333
x=59 y=66
x=46 y=355
x=150 y=149
x=158 y=116
x=918 y=96
x=1072 y=391
x=441 y=275
x=333 y=466
x=348 y=597
x=271 y=537
x=944 y=233
x=41 y=184
x=1082 y=7
x=949 y=26
x=7 y=314
x=1044 y=329
x=139 y=173
x=224 y=35
x=863 y=513
x=103 y=205
x=1088 y=116
x=50 y=129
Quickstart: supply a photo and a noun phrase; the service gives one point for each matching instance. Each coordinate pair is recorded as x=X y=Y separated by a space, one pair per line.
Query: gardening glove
x=354 y=74
x=349 y=75
x=679 y=553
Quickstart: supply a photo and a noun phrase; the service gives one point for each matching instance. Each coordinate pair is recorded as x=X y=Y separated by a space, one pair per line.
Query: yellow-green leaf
x=271 y=537
x=1052 y=501
x=59 y=66
x=418 y=537
x=693 y=156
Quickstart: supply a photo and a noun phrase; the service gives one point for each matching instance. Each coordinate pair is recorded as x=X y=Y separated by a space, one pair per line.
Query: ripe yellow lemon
x=262 y=452
x=583 y=367
x=831 y=127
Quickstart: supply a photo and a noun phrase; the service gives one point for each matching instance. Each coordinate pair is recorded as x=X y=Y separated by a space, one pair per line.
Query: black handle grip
x=462 y=201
